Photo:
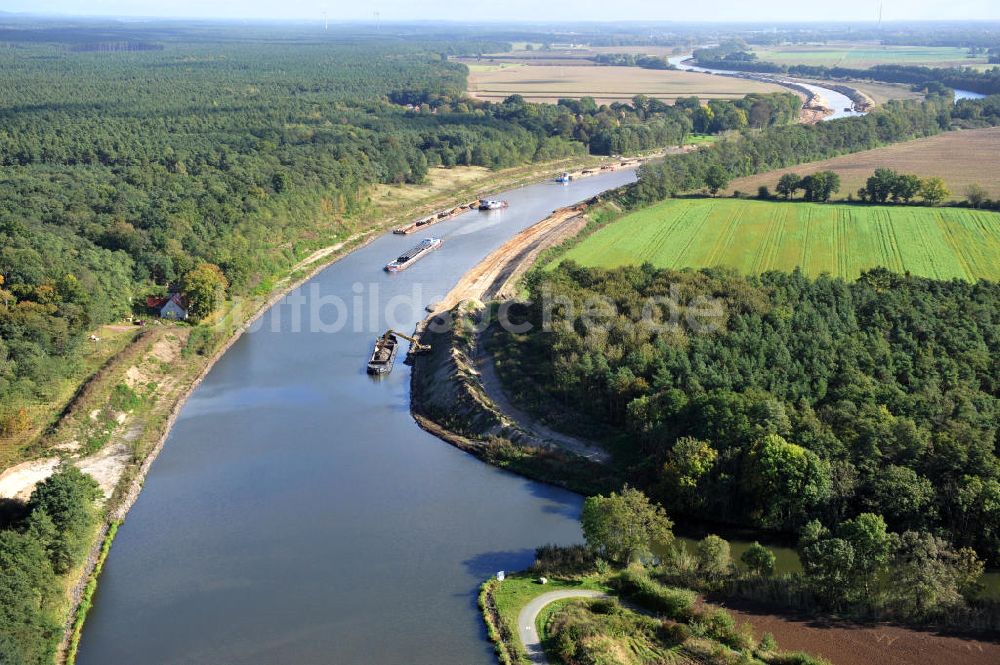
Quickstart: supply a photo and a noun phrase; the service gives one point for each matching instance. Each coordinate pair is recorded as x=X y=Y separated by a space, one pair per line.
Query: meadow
x=842 y=240
x=548 y=83
x=960 y=158
x=866 y=54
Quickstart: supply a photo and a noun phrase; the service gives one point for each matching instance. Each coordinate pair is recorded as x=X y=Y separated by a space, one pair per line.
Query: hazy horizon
x=784 y=11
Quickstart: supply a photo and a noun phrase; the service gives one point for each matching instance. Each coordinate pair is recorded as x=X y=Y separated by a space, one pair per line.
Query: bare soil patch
x=18 y=481
x=866 y=644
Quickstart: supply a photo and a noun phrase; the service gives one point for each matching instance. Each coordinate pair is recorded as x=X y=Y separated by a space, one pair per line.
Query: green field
x=863 y=55
x=843 y=240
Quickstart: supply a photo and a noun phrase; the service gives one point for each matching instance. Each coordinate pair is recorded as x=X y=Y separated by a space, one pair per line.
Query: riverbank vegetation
x=664 y=609
x=39 y=549
x=638 y=618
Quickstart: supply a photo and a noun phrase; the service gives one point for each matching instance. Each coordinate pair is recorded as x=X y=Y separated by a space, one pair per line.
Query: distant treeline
x=633 y=60
x=115 y=47
x=961 y=78
x=780 y=147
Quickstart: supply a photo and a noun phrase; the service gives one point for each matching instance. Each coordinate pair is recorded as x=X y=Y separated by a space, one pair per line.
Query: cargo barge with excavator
x=411 y=256
x=386 y=346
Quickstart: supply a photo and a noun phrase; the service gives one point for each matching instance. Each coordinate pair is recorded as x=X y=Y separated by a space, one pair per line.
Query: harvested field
x=848 y=644
x=548 y=83
x=843 y=240
x=862 y=55
x=961 y=158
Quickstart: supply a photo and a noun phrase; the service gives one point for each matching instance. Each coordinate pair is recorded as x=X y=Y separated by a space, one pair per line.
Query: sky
x=523 y=10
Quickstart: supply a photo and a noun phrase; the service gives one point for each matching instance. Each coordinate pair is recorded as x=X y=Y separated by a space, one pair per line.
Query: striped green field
x=842 y=240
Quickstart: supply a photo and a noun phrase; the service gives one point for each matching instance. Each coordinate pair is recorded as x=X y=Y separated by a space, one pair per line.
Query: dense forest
x=810 y=399
x=123 y=169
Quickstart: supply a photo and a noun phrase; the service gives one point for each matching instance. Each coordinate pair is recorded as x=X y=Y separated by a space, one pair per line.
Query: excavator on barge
x=386 y=346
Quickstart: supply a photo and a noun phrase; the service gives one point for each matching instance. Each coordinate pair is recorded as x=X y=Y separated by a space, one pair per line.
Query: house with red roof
x=168 y=307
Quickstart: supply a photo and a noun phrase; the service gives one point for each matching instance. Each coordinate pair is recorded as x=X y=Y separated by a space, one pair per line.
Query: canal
x=297 y=514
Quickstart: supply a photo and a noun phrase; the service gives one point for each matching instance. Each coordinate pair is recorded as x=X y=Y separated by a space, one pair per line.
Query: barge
x=492 y=204
x=441 y=216
x=384 y=354
x=411 y=256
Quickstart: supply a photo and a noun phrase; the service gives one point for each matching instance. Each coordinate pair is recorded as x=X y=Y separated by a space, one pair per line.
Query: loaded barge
x=384 y=354
x=437 y=217
x=408 y=258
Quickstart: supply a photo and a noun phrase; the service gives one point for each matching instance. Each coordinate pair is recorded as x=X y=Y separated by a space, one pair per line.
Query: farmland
x=960 y=158
x=843 y=240
x=866 y=54
x=549 y=82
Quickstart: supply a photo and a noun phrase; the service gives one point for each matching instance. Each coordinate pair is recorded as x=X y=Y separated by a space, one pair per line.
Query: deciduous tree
x=621 y=526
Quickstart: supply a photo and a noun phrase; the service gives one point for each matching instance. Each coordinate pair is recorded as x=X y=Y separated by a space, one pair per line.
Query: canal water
x=841 y=105
x=297 y=514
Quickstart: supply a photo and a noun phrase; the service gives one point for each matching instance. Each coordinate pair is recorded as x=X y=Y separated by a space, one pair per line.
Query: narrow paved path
x=527 y=617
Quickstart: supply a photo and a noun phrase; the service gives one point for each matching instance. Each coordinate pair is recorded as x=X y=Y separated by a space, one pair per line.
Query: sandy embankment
x=456 y=394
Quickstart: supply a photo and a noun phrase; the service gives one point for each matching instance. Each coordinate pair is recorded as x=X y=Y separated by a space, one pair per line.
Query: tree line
x=633 y=60
x=883 y=186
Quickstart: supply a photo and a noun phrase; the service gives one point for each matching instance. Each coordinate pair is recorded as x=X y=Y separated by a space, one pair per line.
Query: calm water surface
x=298 y=515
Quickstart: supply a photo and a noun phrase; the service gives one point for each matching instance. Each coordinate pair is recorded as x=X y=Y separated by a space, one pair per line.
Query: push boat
x=384 y=354
x=411 y=256
x=492 y=204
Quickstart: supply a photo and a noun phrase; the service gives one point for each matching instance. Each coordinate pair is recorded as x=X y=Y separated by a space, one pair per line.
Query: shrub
x=674 y=603
x=572 y=560
x=714 y=557
x=14 y=421
x=673 y=632
x=759 y=560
